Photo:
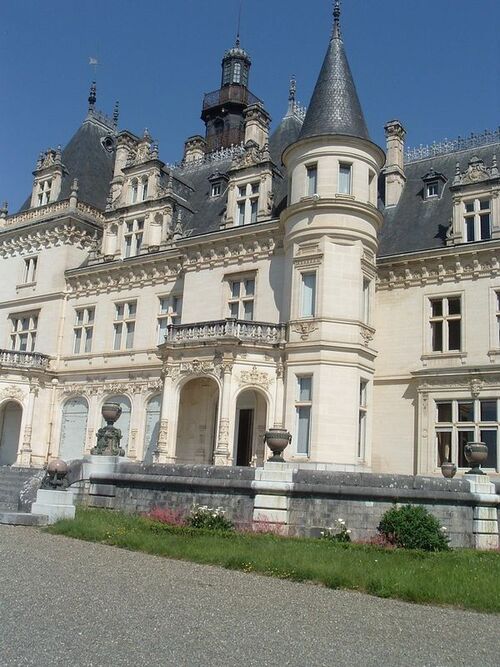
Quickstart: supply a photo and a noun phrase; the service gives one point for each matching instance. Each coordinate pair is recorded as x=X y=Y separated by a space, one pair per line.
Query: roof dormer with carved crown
x=49 y=172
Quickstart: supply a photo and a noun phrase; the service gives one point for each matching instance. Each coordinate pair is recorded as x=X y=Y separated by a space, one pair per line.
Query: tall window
x=345 y=173
x=461 y=421
x=477 y=220
x=23 y=332
x=446 y=324
x=145 y=186
x=248 y=203
x=134 y=231
x=170 y=313
x=308 y=295
x=312 y=179
x=363 y=387
x=366 y=301
x=44 y=190
x=303 y=404
x=124 y=325
x=134 y=191
x=241 y=298
x=83 y=331
x=29 y=272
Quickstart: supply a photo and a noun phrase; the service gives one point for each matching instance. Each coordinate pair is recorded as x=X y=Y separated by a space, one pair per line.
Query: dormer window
x=248 y=203
x=434 y=183
x=145 y=184
x=216 y=190
x=44 y=188
x=134 y=191
x=134 y=231
x=432 y=189
x=477 y=220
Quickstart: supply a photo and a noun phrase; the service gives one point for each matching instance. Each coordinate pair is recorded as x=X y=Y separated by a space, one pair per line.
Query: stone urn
x=277 y=439
x=111 y=413
x=449 y=469
x=56 y=475
x=476 y=453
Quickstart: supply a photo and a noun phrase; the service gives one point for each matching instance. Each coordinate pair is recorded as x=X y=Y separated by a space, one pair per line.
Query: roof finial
x=336 y=20
x=116 y=114
x=92 y=96
x=237 y=43
x=292 y=95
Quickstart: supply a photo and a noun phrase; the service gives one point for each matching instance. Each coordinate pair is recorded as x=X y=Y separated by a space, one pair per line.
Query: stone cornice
x=52 y=233
x=55 y=209
x=445 y=265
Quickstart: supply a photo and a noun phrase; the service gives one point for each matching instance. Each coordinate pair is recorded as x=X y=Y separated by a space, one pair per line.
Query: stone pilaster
x=222 y=454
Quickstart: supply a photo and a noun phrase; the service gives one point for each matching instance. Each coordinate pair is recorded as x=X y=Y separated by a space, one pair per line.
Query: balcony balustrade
x=230 y=329
x=19 y=359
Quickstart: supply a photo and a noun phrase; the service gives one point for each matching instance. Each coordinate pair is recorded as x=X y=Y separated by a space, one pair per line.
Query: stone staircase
x=12 y=481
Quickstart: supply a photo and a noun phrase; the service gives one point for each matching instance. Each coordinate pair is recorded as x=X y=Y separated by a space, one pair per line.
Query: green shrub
x=209 y=519
x=413 y=527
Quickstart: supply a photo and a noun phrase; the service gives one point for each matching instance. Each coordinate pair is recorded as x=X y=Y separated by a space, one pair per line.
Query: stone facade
x=299 y=277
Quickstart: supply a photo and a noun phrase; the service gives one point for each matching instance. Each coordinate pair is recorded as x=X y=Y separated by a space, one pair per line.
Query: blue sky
x=434 y=65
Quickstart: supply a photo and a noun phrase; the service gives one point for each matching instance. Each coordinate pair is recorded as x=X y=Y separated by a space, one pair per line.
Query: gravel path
x=71 y=603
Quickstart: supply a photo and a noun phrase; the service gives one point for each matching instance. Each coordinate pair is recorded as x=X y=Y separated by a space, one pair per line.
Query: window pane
x=469 y=206
x=88 y=340
x=454 y=338
x=437 y=307
x=437 y=336
x=484 y=204
x=118 y=337
x=469 y=229
x=345 y=179
x=255 y=188
x=235 y=289
x=119 y=311
x=90 y=315
x=488 y=411
x=312 y=180
x=444 y=412
x=248 y=310
x=241 y=213
x=485 y=226
x=233 y=309
x=305 y=388
x=79 y=316
x=132 y=308
x=23 y=342
x=443 y=446
x=308 y=294
x=489 y=437
x=138 y=243
x=454 y=306
x=303 y=424
x=78 y=340
x=162 y=329
x=163 y=305
x=130 y=335
x=253 y=211
x=249 y=287
x=463 y=438
x=465 y=411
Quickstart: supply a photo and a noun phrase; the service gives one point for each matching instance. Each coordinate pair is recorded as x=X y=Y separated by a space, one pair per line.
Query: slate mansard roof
x=416 y=223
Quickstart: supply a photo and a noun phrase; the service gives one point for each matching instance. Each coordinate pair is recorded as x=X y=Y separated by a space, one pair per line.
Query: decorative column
x=279 y=420
x=164 y=452
x=221 y=454
x=25 y=453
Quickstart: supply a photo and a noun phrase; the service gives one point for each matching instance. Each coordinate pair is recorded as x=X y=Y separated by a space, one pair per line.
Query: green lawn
x=463 y=578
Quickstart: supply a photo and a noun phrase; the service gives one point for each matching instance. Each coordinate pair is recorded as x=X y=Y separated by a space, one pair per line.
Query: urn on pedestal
x=108 y=437
x=277 y=439
x=476 y=453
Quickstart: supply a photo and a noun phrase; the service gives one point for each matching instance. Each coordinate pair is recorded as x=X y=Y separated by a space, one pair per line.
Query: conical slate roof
x=334 y=106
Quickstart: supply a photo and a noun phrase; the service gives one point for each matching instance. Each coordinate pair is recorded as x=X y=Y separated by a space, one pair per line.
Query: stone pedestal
x=485 y=518
x=55 y=505
x=272 y=486
x=94 y=465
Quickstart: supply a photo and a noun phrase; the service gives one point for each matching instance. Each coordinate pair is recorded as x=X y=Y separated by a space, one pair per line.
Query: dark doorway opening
x=245 y=427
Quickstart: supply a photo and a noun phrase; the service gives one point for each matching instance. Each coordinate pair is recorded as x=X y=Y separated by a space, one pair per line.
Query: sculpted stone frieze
x=34 y=241
x=305 y=329
x=11 y=391
x=254 y=376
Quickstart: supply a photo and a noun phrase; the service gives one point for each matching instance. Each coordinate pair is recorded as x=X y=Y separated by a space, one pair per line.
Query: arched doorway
x=197 y=421
x=73 y=428
x=123 y=423
x=11 y=415
x=250 y=426
x=152 y=427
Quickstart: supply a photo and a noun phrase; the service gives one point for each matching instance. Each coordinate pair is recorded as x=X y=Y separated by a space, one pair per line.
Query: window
x=83 y=330
x=446 y=324
x=44 y=189
x=124 y=325
x=312 y=179
x=169 y=313
x=366 y=302
x=241 y=298
x=145 y=185
x=363 y=387
x=461 y=421
x=308 y=295
x=237 y=73
x=372 y=189
x=345 y=171
x=248 y=203
x=303 y=404
x=497 y=316
x=134 y=231
x=29 y=272
x=23 y=332
x=134 y=191
x=216 y=190
x=432 y=189
x=477 y=220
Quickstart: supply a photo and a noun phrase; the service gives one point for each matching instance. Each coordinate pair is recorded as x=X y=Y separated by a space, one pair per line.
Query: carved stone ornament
x=254 y=376
x=475 y=387
x=304 y=329
x=12 y=392
x=367 y=336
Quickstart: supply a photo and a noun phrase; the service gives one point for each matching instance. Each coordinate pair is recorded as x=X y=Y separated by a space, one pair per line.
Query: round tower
x=331 y=226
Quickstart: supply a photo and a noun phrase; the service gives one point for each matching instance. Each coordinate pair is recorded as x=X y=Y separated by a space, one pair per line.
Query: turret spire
x=292 y=95
x=335 y=107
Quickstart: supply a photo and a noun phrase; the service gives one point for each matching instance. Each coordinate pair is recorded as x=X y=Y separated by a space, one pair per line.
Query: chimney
x=394 y=167
x=194 y=149
x=257 y=122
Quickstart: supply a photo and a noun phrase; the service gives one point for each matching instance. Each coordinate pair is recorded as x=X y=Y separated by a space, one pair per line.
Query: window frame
x=83 y=330
x=475 y=216
x=171 y=315
x=30 y=267
x=362 y=417
x=247 y=202
x=311 y=169
x=348 y=166
x=302 y=275
x=124 y=324
x=303 y=406
x=133 y=237
x=243 y=299
x=445 y=319
x=20 y=333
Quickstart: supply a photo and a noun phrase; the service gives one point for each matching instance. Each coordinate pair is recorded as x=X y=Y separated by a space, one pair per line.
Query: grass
x=462 y=578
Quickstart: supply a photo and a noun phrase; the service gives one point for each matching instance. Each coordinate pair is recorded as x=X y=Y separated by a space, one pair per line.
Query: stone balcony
x=228 y=330
x=28 y=360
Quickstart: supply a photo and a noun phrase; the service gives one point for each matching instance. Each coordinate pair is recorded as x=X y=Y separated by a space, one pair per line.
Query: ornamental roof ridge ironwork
x=218 y=155
x=448 y=146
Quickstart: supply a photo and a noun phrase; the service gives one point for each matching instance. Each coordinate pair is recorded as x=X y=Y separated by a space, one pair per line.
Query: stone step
x=23 y=519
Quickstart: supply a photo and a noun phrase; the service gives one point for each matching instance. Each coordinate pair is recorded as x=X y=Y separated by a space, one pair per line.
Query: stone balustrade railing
x=243 y=330
x=18 y=359
x=50 y=210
